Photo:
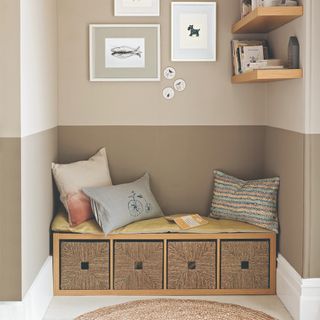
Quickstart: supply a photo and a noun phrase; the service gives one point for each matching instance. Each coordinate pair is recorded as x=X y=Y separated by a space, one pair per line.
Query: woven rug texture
x=175 y=309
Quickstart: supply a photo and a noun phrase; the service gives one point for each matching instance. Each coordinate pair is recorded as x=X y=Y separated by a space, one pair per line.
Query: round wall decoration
x=168 y=93
x=180 y=85
x=169 y=73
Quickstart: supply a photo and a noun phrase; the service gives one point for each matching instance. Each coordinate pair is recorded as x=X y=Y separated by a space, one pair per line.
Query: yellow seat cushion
x=60 y=223
x=157 y=225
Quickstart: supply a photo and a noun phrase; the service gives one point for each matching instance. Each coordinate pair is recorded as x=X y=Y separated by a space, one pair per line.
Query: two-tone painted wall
x=10 y=150
x=285 y=141
x=49 y=110
x=292 y=144
x=210 y=125
x=28 y=139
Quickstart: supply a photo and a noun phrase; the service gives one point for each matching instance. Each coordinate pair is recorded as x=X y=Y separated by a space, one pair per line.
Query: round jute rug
x=175 y=309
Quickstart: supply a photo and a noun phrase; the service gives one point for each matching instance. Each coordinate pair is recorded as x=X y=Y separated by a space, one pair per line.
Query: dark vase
x=293 y=53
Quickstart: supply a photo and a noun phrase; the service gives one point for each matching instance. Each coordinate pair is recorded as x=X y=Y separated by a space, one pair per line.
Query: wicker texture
x=191 y=264
x=84 y=265
x=245 y=264
x=173 y=309
x=138 y=265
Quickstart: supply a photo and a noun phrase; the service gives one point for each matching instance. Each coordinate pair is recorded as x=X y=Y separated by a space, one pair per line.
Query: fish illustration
x=125 y=52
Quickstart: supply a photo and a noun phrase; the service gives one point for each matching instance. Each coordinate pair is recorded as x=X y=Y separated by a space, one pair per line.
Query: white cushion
x=71 y=178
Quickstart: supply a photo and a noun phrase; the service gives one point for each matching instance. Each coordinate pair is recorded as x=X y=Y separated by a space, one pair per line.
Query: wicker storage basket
x=245 y=264
x=84 y=265
x=138 y=265
x=191 y=264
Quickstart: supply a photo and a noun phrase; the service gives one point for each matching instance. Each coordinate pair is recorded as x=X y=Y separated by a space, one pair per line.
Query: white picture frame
x=193 y=31
x=137 y=8
x=107 y=37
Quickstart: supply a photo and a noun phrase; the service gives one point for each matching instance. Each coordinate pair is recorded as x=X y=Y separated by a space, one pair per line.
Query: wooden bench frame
x=57 y=237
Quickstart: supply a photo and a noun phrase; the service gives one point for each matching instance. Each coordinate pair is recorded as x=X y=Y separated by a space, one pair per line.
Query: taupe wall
x=312 y=238
x=180 y=159
x=26 y=202
x=10 y=232
x=37 y=153
x=284 y=157
x=26 y=209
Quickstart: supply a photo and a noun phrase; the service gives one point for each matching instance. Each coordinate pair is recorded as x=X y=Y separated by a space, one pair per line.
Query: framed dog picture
x=136 y=7
x=124 y=52
x=193 y=31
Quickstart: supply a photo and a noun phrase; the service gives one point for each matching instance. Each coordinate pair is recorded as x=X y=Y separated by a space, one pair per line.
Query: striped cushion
x=254 y=201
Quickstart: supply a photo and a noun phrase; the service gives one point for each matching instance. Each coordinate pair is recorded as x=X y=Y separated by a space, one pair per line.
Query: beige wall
x=39 y=64
x=314 y=49
x=210 y=98
x=10 y=232
x=286 y=99
x=9 y=68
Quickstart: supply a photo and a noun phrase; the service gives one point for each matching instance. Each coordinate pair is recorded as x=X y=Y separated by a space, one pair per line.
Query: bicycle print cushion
x=117 y=206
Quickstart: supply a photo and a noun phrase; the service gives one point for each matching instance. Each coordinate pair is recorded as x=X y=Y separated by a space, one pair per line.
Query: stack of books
x=249 y=55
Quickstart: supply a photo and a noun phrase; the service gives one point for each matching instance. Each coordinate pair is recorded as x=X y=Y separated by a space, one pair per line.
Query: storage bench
x=164 y=263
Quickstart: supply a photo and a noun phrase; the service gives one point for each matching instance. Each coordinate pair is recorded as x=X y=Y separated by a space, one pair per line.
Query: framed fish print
x=137 y=7
x=126 y=52
x=193 y=31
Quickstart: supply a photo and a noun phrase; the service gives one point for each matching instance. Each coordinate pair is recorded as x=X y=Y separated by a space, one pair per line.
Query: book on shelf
x=249 y=55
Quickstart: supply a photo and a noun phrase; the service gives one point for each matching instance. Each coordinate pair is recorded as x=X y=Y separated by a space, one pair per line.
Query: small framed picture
x=193 y=31
x=137 y=7
x=124 y=52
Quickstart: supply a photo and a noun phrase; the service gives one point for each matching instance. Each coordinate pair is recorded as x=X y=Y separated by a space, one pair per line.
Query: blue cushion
x=117 y=206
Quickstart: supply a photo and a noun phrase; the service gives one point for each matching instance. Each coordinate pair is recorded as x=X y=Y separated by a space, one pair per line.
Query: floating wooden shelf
x=268 y=75
x=263 y=20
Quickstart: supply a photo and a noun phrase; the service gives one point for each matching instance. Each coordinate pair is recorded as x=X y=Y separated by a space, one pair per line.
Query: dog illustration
x=193 y=31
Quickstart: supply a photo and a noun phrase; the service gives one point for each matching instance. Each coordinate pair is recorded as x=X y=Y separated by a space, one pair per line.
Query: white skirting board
x=300 y=296
x=36 y=301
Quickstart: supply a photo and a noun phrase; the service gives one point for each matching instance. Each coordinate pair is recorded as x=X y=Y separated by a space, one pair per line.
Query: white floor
x=67 y=308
